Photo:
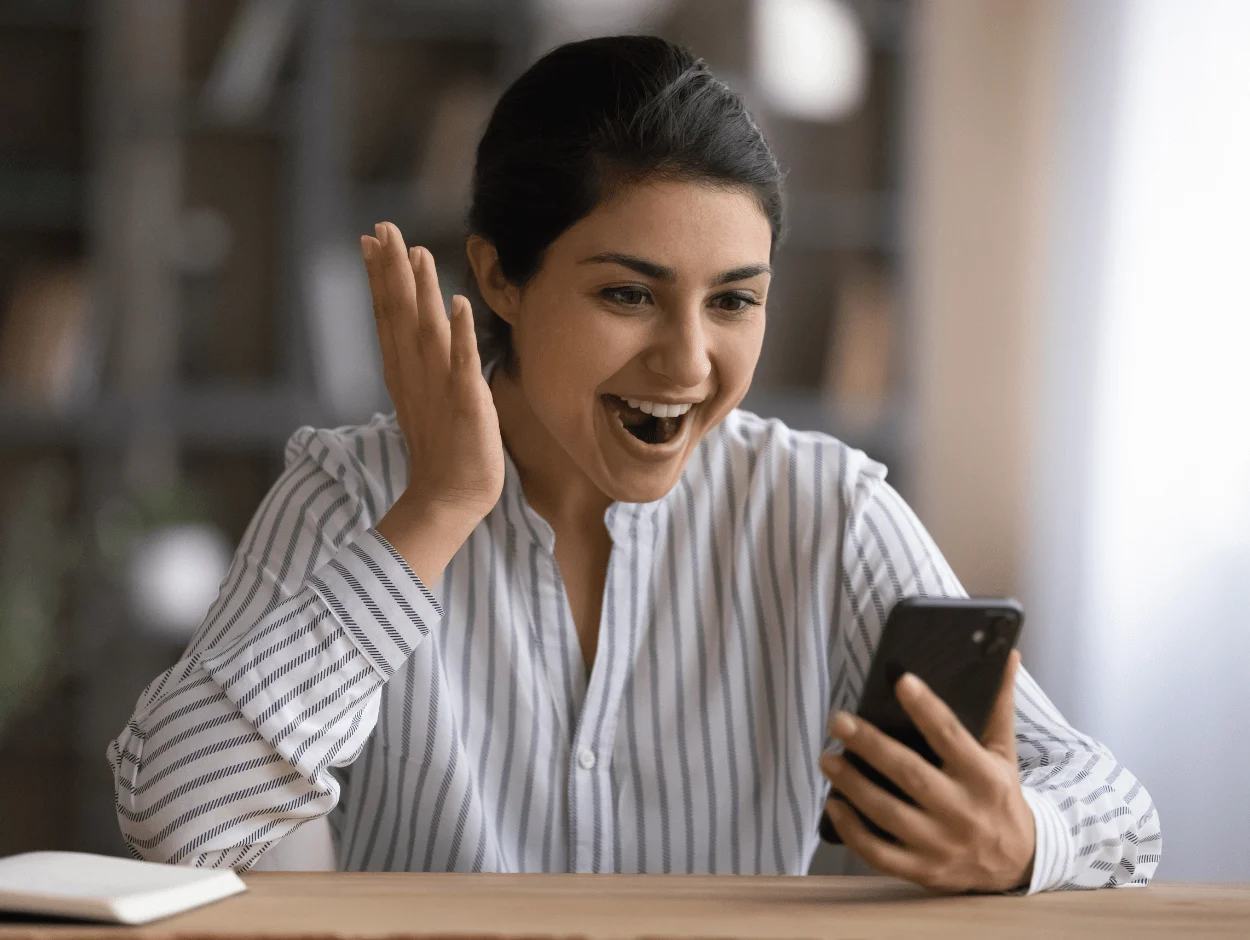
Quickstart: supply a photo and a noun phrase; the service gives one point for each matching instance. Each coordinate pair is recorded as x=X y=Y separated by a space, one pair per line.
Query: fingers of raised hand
x=465 y=362
x=905 y=822
x=407 y=305
x=914 y=775
x=940 y=726
x=395 y=274
x=394 y=295
x=469 y=387
x=431 y=317
x=371 y=248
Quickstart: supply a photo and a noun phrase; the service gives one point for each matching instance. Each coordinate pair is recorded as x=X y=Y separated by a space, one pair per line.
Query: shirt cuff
x=379 y=600
x=1054 y=852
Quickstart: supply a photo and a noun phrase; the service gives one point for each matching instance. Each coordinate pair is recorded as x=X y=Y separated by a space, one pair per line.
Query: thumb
x=1000 y=731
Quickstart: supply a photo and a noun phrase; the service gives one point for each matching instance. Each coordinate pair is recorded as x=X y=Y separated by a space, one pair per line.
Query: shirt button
x=586 y=758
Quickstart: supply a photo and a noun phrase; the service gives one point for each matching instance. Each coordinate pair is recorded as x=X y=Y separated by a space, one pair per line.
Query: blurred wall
x=983 y=100
x=1080 y=183
x=1142 y=519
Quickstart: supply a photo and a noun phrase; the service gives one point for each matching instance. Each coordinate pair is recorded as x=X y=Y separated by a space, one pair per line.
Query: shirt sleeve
x=230 y=749
x=1096 y=825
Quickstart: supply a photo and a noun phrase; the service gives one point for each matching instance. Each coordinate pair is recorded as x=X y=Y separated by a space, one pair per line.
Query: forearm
x=230 y=748
x=197 y=784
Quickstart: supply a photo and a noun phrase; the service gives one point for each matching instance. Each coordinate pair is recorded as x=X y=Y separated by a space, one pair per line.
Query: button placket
x=590 y=769
x=590 y=838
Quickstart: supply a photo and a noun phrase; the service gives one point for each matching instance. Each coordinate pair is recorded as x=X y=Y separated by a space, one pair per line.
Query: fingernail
x=842 y=725
x=909 y=682
x=414 y=257
x=380 y=231
x=366 y=247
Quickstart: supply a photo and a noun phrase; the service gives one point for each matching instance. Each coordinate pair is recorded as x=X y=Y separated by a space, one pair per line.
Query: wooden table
x=316 y=904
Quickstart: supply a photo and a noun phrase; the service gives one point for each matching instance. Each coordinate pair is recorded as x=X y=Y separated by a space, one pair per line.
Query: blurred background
x=1015 y=274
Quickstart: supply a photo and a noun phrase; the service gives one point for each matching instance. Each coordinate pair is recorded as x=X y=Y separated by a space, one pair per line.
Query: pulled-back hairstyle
x=587 y=119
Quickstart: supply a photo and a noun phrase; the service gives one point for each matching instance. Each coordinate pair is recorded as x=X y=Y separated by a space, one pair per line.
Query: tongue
x=643 y=426
x=630 y=417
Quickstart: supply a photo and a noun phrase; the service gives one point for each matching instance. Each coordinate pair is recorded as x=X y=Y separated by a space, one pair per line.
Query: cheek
x=736 y=353
x=568 y=353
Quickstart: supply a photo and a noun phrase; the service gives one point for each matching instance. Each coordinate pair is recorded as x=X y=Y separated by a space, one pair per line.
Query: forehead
x=696 y=228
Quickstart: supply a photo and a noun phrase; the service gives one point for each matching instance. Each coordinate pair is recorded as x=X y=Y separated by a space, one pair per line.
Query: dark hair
x=588 y=118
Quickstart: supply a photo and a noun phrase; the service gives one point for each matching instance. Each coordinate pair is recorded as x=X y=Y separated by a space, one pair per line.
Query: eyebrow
x=664 y=273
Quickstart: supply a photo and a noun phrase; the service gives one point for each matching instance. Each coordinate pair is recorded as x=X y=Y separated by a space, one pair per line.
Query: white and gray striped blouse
x=454 y=727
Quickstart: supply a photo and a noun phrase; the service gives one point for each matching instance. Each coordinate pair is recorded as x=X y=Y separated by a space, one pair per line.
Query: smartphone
x=959 y=646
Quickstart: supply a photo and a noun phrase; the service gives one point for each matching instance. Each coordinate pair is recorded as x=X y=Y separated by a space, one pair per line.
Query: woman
x=574 y=611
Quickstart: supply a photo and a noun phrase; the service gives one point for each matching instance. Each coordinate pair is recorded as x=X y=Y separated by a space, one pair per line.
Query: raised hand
x=971 y=828
x=443 y=405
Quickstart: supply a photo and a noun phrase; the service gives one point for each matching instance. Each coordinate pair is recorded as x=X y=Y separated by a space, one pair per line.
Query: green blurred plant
x=122 y=519
x=37 y=551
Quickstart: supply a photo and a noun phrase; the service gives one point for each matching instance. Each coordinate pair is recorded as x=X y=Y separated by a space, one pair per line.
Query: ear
x=501 y=296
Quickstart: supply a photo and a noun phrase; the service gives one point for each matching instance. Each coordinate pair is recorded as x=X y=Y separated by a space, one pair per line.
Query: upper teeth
x=658 y=409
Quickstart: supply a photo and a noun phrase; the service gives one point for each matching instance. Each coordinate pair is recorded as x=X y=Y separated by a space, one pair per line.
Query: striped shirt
x=454 y=726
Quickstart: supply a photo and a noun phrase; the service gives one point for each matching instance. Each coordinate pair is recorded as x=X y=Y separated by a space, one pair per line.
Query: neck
x=553 y=484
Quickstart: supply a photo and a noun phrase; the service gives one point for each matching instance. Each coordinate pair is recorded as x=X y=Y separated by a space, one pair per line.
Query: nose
x=679 y=353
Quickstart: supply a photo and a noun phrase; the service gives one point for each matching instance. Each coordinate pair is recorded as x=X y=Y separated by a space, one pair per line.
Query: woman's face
x=642 y=329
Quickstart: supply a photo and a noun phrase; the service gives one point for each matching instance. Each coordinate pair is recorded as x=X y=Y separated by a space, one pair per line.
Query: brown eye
x=737 y=303
x=627 y=296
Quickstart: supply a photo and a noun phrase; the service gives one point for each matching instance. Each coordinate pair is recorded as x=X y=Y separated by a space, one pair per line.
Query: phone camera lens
x=978 y=636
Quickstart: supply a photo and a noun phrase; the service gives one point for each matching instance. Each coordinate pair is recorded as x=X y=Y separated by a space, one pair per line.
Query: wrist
x=426 y=533
x=1027 y=827
x=440 y=515
x=1023 y=880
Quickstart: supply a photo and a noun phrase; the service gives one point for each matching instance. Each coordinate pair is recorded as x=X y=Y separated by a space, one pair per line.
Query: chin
x=644 y=493
x=642 y=485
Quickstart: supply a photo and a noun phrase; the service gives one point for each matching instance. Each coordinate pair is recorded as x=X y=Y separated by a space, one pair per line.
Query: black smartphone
x=959 y=646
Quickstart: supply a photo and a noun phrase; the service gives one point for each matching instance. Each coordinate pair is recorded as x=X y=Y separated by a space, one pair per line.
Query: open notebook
x=100 y=887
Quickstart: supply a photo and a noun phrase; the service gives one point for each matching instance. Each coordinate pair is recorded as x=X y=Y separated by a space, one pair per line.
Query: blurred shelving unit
x=205 y=166
x=43 y=159
x=200 y=161
x=836 y=353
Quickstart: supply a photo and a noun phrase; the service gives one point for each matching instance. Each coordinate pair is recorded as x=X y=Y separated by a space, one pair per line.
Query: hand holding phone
x=961 y=817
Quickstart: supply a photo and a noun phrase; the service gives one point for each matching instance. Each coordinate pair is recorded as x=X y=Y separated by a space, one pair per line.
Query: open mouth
x=645 y=427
